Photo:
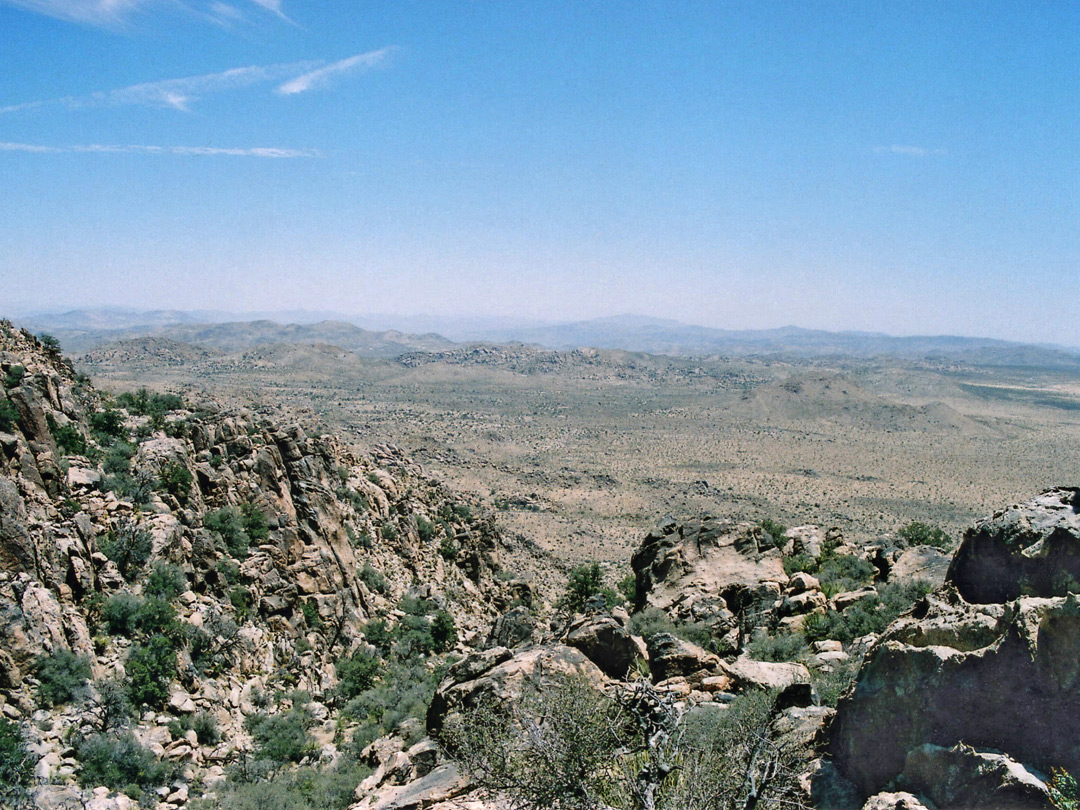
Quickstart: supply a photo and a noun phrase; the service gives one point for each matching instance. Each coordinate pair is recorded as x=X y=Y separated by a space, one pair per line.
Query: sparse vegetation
x=921 y=534
x=128 y=545
x=16 y=765
x=62 y=677
x=119 y=762
x=586 y=585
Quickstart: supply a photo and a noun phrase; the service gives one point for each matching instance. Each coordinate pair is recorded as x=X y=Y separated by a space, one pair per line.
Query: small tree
x=62 y=677
x=922 y=534
x=586 y=584
x=16 y=765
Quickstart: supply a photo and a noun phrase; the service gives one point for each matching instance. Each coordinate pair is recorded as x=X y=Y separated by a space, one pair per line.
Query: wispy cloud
x=322 y=75
x=180 y=94
x=254 y=151
x=908 y=151
x=116 y=13
x=106 y=13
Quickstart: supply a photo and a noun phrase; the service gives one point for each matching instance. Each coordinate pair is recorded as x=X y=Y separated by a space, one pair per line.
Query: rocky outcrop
x=1032 y=549
x=991 y=661
x=285 y=545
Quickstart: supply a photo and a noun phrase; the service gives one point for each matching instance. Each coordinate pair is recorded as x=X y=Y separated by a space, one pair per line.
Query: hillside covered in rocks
x=203 y=607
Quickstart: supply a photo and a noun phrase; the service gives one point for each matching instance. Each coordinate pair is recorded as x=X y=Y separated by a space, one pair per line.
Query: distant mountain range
x=82 y=330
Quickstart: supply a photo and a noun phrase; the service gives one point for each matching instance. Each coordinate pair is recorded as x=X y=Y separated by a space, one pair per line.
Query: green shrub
x=176 y=479
x=68 y=438
x=449 y=547
x=128 y=546
x=356 y=673
x=49 y=343
x=118 y=457
x=16 y=765
x=145 y=403
x=774 y=532
x=838 y=574
x=650 y=621
x=403 y=692
x=282 y=737
x=628 y=588
x=379 y=635
x=389 y=532
x=254 y=523
x=9 y=415
x=150 y=669
x=203 y=724
x=866 y=616
x=165 y=581
x=779 y=648
x=921 y=534
x=109 y=706
x=228 y=524
x=586 y=582
x=62 y=677
x=306 y=788
x=444 y=633
x=311 y=615
x=830 y=685
x=1064 y=794
x=14 y=376
x=120 y=614
x=107 y=424
x=119 y=762
x=800 y=562
x=242 y=601
x=373 y=578
x=425 y=529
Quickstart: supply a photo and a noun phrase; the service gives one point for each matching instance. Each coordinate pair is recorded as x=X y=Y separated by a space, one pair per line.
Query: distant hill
x=80 y=331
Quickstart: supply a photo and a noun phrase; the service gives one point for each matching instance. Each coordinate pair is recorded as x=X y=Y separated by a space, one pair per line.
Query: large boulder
x=1032 y=549
x=503 y=676
x=992 y=661
x=607 y=643
x=679 y=563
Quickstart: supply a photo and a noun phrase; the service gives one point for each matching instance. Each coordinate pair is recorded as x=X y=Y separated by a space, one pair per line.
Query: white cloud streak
x=908 y=151
x=180 y=94
x=256 y=151
x=104 y=13
x=360 y=62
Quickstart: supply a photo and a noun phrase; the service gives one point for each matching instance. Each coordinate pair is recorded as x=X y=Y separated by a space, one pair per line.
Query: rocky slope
x=258 y=553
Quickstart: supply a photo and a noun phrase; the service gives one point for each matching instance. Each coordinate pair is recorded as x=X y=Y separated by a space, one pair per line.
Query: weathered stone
x=963 y=777
x=894 y=801
x=670 y=656
x=842 y=601
x=607 y=643
x=749 y=674
x=1032 y=549
x=920 y=564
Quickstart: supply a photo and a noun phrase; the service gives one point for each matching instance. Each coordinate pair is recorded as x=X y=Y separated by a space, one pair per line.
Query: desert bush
x=119 y=762
x=650 y=621
x=373 y=578
x=774 y=532
x=176 y=479
x=282 y=737
x=165 y=581
x=49 y=343
x=444 y=633
x=107 y=425
x=795 y=563
x=868 y=615
x=425 y=529
x=68 y=438
x=203 y=724
x=109 y=705
x=118 y=457
x=356 y=674
x=311 y=614
x=586 y=583
x=254 y=522
x=228 y=524
x=921 y=534
x=401 y=693
x=14 y=376
x=242 y=601
x=16 y=765
x=129 y=546
x=9 y=415
x=145 y=403
x=449 y=547
x=389 y=532
x=62 y=677
x=150 y=669
x=306 y=788
x=830 y=685
x=378 y=634
x=780 y=647
x=841 y=573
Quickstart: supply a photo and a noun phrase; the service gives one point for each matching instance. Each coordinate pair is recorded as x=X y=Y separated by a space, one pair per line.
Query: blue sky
x=908 y=167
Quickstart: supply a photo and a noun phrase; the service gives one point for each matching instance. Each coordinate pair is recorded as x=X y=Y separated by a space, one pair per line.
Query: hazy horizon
x=880 y=167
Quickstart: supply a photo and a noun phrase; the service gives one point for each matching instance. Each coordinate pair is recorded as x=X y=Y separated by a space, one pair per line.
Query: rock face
x=1028 y=550
x=332 y=539
x=991 y=661
x=707 y=570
